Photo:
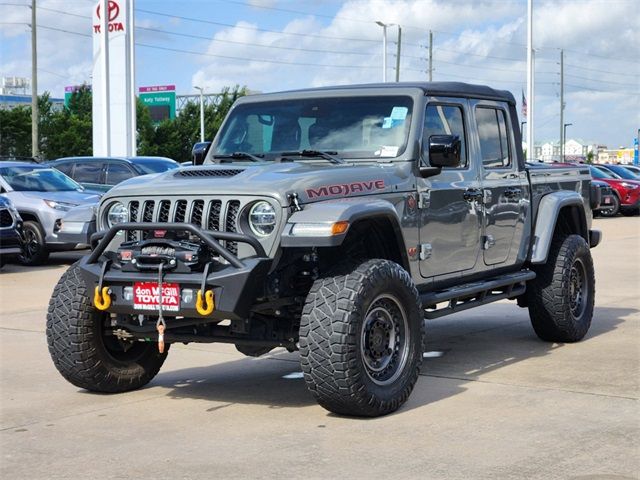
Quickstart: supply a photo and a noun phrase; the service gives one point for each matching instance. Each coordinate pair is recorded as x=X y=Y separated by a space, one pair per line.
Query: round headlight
x=262 y=219
x=117 y=213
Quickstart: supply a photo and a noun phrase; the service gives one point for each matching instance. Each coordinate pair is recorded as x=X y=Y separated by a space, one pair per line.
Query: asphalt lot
x=492 y=402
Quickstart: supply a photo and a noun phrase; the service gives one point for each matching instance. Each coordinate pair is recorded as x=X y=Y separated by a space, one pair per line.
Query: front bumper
x=236 y=283
x=78 y=233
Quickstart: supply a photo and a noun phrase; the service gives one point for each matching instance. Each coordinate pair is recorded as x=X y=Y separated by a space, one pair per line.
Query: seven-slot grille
x=6 y=219
x=208 y=214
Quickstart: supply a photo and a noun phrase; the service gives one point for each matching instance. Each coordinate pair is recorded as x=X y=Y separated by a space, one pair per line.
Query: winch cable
x=160 y=324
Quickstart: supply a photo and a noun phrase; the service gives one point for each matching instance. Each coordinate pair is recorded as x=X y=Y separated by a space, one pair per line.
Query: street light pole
x=398 y=53
x=384 y=49
x=564 y=139
x=35 y=151
x=201 y=112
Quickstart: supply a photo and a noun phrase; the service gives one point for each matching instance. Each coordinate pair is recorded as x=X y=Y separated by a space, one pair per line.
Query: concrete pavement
x=492 y=402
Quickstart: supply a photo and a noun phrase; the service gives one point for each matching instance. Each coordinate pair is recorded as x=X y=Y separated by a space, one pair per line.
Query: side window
x=65 y=168
x=494 y=141
x=87 y=172
x=117 y=172
x=445 y=120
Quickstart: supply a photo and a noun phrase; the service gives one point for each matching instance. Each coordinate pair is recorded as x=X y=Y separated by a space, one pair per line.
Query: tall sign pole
x=104 y=79
x=530 y=86
x=35 y=116
x=114 y=100
x=132 y=148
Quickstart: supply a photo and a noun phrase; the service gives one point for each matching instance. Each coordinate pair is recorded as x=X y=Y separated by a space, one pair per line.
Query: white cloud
x=475 y=41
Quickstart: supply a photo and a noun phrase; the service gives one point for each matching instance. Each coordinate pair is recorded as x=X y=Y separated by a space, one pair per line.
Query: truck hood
x=311 y=181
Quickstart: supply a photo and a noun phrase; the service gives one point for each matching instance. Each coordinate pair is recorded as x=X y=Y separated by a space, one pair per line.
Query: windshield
x=30 y=179
x=623 y=172
x=597 y=173
x=353 y=127
x=155 y=166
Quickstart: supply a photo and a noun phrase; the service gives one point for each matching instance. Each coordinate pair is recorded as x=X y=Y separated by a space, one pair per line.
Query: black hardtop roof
x=445 y=89
x=131 y=160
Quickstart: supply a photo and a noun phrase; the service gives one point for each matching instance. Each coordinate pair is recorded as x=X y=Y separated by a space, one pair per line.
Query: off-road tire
x=34 y=251
x=80 y=351
x=332 y=335
x=613 y=210
x=558 y=311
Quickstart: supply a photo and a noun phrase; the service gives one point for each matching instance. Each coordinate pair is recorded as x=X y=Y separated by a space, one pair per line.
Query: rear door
x=117 y=172
x=505 y=187
x=89 y=174
x=450 y=218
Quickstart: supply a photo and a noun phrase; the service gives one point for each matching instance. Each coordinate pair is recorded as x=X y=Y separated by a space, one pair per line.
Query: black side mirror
x=199 y=152
x=444 y=151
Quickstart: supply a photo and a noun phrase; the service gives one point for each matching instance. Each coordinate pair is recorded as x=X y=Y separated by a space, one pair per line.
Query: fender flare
x=547 y=218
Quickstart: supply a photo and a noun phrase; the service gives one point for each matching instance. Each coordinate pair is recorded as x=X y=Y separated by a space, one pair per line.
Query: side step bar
x=471 y=295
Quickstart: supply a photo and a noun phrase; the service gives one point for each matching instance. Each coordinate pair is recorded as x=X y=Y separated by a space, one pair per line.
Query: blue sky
x=271 y=45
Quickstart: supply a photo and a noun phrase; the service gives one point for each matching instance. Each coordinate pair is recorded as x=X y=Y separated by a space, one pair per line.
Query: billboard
x=161 y=100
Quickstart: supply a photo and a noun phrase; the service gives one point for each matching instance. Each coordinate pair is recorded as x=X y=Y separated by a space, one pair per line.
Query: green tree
x=68 y=131
x=590 y=156
x=15 y=132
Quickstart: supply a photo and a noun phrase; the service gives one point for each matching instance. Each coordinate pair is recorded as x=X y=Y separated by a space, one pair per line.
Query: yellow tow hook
x=208 y=300
x=102 y=300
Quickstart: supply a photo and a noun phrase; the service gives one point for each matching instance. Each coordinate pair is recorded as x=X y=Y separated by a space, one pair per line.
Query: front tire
x=34 y=250
x=361 y=336
x=561 y=297
x=81 y=350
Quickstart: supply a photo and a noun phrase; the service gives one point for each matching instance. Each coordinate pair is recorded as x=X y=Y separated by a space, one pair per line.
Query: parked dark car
x=42 y=195
x=633 y=169
x=619 y=171
x=10 y=231
x=604 y=195
x=102 y=173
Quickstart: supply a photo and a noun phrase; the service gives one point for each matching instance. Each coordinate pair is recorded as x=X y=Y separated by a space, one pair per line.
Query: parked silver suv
x=42 y=195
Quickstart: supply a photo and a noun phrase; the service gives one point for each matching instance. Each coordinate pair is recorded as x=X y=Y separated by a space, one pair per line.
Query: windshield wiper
x=242 y=156
x=331 y=156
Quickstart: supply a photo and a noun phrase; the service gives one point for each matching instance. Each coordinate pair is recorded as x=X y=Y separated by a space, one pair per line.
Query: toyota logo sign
x=114 y=10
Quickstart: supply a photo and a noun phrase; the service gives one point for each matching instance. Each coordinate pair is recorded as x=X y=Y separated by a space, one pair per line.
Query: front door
x=450 y=209
x=504 y=187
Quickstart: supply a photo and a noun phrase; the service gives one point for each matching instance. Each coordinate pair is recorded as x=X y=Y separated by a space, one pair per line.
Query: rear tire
x=613 y=210
x=34 y=250
x=81 y=351
x=561 y=297
x=361 y=337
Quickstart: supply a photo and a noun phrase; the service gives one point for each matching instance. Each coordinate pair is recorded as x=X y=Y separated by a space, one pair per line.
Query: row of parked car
x=38 y=199
x=46 y=207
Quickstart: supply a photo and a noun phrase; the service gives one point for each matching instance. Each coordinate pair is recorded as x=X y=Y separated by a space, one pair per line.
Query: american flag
x=524 y=105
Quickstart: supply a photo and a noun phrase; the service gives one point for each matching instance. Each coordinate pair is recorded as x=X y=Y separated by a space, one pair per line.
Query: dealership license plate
x=146 y=296
x=607 y=200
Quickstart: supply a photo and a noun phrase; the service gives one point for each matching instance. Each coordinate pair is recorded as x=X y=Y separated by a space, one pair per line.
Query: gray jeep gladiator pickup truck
x=331 y=221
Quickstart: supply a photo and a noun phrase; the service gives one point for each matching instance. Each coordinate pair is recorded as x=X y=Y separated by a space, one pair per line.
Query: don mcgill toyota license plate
x=146 y=296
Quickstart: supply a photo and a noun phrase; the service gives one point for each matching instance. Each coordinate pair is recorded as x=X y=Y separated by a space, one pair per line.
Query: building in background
x=620 y=155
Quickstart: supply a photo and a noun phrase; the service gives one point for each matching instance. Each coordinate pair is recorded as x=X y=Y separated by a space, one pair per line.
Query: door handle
x=512 y=193
x=472 y=194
